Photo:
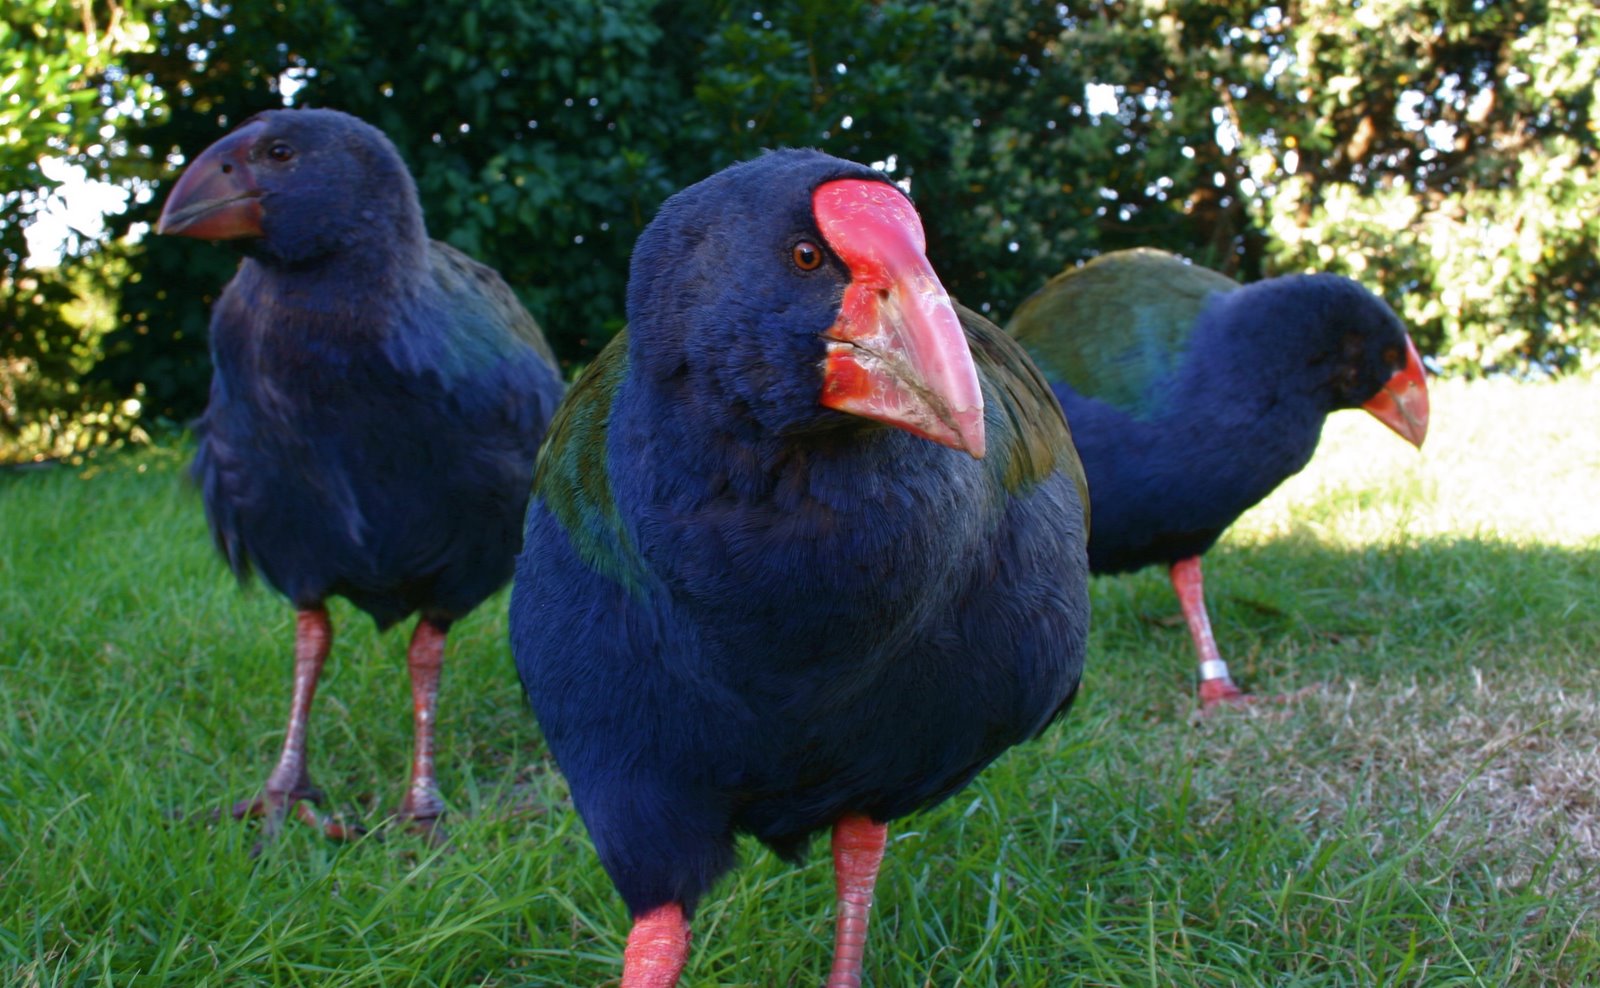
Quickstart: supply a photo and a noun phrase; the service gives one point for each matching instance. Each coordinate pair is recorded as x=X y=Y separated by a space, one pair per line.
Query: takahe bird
x=1191 y=398
x=806 y=548
x=376 y=404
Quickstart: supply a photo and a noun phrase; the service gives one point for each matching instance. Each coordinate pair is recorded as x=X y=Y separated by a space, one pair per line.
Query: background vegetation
x=1427 y=817
x=1445 y=153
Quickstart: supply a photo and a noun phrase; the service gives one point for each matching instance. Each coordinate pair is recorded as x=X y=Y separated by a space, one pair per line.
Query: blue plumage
x=381 y=452
x=377 y=397
x=1192 y=398
x=740 y=611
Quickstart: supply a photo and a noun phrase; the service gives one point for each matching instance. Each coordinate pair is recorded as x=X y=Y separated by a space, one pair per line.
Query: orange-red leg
x=658 y=947
x=290 y=783
x=424 y=658
x=1216 y=686
x=857 y=852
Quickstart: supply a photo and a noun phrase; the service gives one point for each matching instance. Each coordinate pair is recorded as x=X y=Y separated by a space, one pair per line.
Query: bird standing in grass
x=806 y=548
x=376 y=404
x=1191 y=398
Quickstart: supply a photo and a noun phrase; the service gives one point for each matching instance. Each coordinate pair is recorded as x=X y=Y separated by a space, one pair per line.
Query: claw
x=1222 y=691
x=431 y=829
x=1217 y=695
x=421 y=813
x=272 y=808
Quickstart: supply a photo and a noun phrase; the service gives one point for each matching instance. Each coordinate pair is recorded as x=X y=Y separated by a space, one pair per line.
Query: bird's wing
x=1115 y=328
x=572 y=478
x=1040 y=585
x=1028 y=437
x=467 y=332
x=222 y=473
x=496 y=299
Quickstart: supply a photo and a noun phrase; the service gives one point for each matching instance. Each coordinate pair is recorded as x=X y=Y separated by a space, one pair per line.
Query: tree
x=1448 y=153
x=1445 y=155
x=63 y=99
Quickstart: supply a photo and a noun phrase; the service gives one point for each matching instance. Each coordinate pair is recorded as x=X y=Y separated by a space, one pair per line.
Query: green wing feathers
x=480 y=291
x=1116 y=326
x=1029 y=438
x=573 y=478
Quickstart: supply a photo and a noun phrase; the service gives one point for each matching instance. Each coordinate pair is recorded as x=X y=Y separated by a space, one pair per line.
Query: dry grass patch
x=1509 y=768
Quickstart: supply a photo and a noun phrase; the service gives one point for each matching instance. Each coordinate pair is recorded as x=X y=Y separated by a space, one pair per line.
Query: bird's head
x=294 y=186
x=1326 y=341
x=1368 y=359
x=798 y=286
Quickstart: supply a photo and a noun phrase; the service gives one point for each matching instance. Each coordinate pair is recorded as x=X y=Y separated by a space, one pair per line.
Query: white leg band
x=1213 y=669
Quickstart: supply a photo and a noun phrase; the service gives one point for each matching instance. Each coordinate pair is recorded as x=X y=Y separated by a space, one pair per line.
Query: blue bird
x=805 y=550
x=1191 y=398
x=376 y=404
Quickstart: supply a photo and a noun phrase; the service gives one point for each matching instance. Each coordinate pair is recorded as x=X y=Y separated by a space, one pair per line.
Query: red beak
x=1402 y=405
x=896 y=353
x=216 y=198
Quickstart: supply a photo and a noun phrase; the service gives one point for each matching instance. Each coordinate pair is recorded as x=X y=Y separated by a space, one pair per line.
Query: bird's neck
x=346 y=290
x=783 y=537
x=723 y=452
x=1282 y=328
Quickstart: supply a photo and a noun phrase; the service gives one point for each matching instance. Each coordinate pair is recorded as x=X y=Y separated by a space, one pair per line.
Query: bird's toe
x=272 y=808
x=431 y=829
x=1218 y=695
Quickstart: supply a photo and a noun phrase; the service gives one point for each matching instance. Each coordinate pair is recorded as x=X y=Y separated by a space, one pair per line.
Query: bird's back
x=1117 y=327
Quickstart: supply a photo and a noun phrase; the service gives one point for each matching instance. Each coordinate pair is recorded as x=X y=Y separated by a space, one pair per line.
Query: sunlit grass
x=1502 y=461
x=1430 y=816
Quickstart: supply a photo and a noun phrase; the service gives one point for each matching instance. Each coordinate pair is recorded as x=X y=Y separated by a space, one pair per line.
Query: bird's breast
x=813 y=562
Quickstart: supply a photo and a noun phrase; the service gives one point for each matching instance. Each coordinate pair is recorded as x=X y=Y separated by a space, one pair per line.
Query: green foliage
x=60 y=84
x=63 y=96
x=1445 y=154
x=47 y=408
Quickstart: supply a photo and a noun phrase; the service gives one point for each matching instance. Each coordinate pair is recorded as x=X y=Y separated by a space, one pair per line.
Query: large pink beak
x=1402 y=405
x=216 y=198
x=897 y=353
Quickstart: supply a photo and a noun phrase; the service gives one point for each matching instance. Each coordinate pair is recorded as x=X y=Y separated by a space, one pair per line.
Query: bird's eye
x=807 y=256
x=1391 y=356
x=280 y=152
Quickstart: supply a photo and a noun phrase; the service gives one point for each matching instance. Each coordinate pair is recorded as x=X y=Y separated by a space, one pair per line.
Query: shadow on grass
x=1297 y=610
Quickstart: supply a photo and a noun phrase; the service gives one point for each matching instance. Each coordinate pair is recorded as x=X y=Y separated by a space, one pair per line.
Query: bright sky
x=78 y=204
x=1101 y=98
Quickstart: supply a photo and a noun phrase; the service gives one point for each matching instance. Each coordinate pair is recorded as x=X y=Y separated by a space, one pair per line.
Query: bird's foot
x=1222 y=693
x=421 y=813
x=430 y=828
x=272 y=808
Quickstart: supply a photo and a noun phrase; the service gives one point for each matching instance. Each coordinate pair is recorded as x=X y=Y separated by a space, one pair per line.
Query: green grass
x=1430 y=816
